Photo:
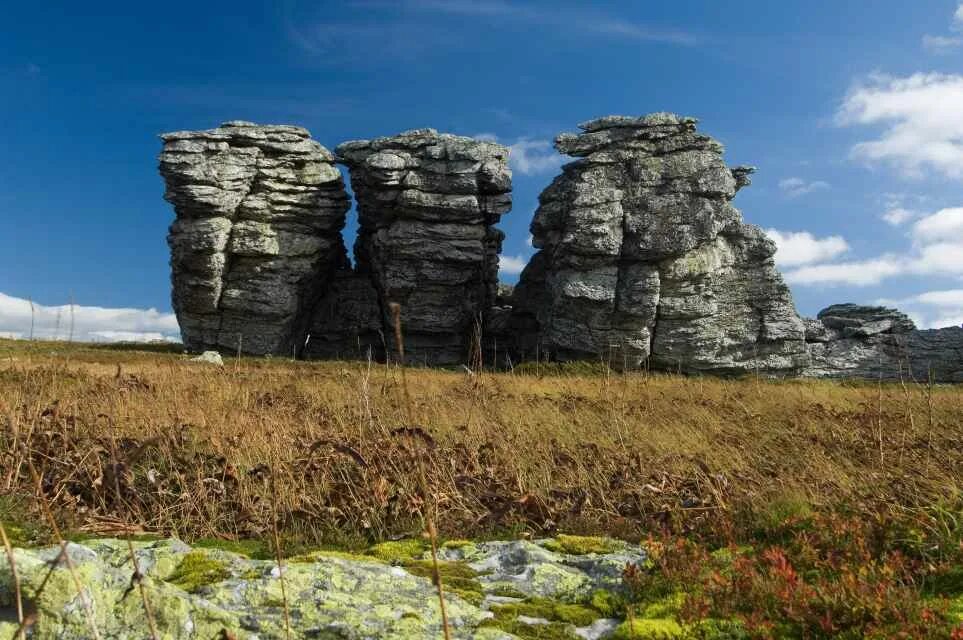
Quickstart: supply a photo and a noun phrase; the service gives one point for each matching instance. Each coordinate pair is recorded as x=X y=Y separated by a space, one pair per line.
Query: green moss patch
x=196 y=570
x=581 y=545
x=456 y=578
x=399 y=550
x=254 y=549
x=576 y=614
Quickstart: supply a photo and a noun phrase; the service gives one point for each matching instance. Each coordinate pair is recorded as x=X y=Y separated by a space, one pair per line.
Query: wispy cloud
x=946 y=43
x=795 y=187
x=570 y=19
x=921 y=118
x=897 y=216
x=84 y=323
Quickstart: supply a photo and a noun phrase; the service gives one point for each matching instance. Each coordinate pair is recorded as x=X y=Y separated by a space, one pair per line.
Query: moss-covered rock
x=582 y=545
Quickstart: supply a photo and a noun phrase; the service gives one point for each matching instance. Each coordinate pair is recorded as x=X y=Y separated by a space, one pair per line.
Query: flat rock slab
x=212 y=593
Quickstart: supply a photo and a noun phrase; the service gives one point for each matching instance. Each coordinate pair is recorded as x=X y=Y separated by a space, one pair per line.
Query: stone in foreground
x=203 y=594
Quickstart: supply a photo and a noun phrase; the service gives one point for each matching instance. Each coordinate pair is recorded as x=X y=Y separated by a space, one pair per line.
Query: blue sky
x=852 y=111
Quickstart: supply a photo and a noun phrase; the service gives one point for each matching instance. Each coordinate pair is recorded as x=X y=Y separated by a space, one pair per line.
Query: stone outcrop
x=643 y=260
x=427 y=206
x=257 y=236
x=854 y=341
x=642 y=257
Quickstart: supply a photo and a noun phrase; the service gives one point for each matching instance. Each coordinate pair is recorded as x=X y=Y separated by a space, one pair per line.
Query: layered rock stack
x=427 y=206
x=856 y=341
x=257 y=236
x=643 y=257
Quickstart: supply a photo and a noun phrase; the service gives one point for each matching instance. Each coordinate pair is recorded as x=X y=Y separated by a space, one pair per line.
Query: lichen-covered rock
x=643 y=257
x=427 y=206
x=204 y=594
x=257 y=235
x=856 y=341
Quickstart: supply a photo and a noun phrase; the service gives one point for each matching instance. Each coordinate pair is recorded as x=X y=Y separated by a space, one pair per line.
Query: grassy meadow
x=831 y=506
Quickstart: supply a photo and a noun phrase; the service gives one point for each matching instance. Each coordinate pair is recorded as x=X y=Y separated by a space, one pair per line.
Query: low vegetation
x=796 y=508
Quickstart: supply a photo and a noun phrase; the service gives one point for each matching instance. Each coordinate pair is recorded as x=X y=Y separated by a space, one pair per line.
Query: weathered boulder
x=257 y=235
x=856 y=341
x=643 y=257
x=427 y=206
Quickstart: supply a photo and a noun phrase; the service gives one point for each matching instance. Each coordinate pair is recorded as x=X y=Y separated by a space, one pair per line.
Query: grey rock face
x=642 y=256
x=427 y=206
x=257 y=235
x=854 y=341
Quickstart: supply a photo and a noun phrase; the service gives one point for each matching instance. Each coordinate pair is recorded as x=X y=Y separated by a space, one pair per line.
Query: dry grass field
x=344 y=454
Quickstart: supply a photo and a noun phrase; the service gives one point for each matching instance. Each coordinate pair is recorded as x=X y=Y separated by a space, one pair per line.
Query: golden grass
x=610 y=453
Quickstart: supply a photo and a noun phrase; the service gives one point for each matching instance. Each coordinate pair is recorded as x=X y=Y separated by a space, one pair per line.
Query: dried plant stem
x=138 y=576
x=18 y=596
x=432 y=531
x=399 y=341
x=279 y=557
x=433 y=537
x=64 y=555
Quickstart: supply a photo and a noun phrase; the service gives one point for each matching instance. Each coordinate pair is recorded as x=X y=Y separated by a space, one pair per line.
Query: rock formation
x=642 y=261
x=427 y=203
x=257 y=235
x=642 y=256
x=853 y=341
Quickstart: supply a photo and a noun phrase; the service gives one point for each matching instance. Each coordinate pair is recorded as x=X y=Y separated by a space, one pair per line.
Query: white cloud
x=944 y=44
x=936 y=249
x=858 y=273
x=932 y=309
x=90 y=324
x=897 y=216
x=921 y=118
x=511 y=265
x=796 y=248
x=942 y=225
x=529 y=157
x=794 y=187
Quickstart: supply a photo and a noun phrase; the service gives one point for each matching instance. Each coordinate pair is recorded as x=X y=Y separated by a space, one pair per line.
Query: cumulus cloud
x=921 y=120
x=795 y=187
x=932 y=309
x=88 y=324
x=801 y=247
x=511 y=265
x=935 y=249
